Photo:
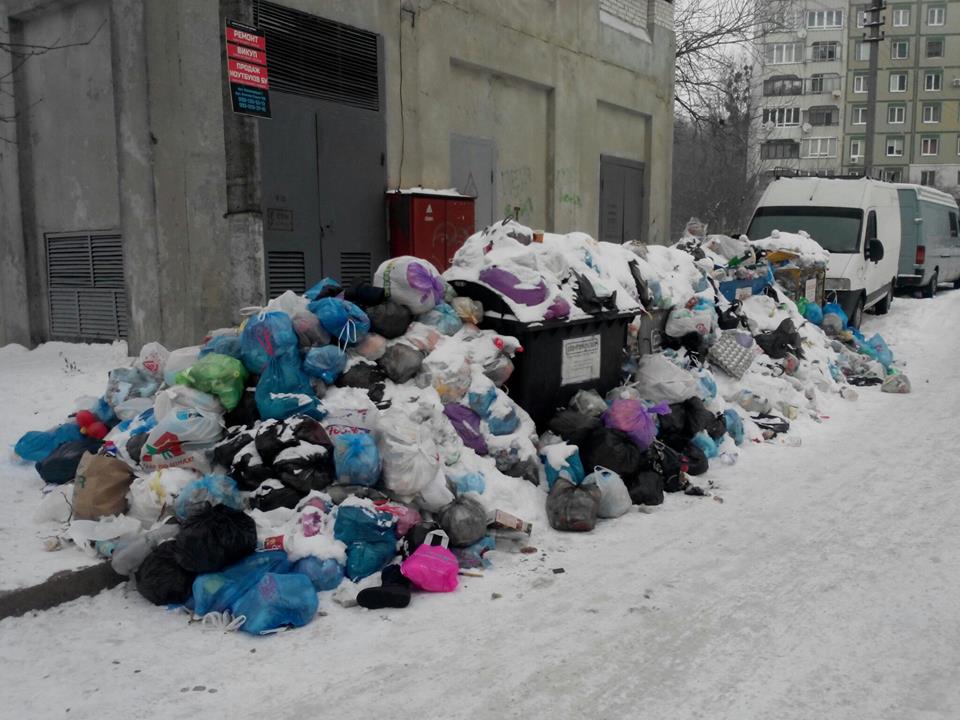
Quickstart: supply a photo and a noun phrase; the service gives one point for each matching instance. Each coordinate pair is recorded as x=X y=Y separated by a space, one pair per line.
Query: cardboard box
x=505 y=521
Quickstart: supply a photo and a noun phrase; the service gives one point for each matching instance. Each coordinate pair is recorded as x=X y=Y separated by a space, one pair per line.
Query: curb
x=59 y=588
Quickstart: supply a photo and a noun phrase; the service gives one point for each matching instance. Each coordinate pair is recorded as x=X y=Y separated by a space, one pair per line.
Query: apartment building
x=917 y=135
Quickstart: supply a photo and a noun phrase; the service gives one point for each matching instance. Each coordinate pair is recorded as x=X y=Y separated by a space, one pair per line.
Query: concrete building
x=918 y=95
x=134 y=202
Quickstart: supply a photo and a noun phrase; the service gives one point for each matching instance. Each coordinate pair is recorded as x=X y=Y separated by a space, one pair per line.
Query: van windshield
x=836 y=229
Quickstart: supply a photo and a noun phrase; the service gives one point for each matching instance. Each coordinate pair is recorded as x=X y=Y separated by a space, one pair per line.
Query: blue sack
x=708 y=385
x=881 y=350
x=208 y=490
x=813 y=313
x=324 y=574
x=503 y=425
x=277 y=601
x=366 y=558
x=571 y=469
x=356 y=459
x=480 y=402
x=369 y=536
x=734 y=425
x=284 y=390
x=325 y=362
x=328 y=287
x=37 y=444
x=342 y=319
x=217 y=592
x=469 y=482
x=229 y=345
x=265 y=336
x=835 y=309
x=444 y=318
x=706 y=443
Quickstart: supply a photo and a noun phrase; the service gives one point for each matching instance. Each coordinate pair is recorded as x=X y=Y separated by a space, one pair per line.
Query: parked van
x=929 y=239
x=857 y=220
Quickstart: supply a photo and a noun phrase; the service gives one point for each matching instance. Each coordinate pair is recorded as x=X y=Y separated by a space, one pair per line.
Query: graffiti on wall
x=515 y=188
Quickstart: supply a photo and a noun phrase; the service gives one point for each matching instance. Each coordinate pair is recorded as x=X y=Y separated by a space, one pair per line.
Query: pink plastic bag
x=432 y=568
x=635 y=419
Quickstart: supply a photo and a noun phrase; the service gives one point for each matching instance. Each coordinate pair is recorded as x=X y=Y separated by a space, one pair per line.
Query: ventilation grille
x=355 y=266
x=88 y=300
x=308 y=55
x=285 y=271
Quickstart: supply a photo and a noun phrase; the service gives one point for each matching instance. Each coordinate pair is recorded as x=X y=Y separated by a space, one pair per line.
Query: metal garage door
x=621 y=199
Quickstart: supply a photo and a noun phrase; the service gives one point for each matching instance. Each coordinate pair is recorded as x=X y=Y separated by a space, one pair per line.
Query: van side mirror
x=874 y=250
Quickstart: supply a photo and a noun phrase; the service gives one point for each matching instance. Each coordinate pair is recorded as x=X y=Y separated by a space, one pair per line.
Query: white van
x=857 y=220
x=929 y=239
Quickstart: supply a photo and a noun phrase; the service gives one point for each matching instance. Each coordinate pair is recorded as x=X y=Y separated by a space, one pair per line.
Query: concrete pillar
x=137 y=193
x=15 y=316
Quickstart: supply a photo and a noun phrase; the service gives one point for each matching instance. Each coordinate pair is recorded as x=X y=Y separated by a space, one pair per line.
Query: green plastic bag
x=219 y=375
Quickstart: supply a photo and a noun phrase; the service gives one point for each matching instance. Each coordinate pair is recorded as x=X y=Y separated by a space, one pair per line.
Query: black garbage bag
x=339 y=493
x=614 y=450
x=135 y=446
x=717 y=427
x=309 y=430
x=364 y=294
x=364 y=375
x=785 y=339
x=224 y=452
x=248 y=470
x=416 y=536
x=693 y=342
x=161 y=580
x=401 y=362
x=513 y=466
x=271 y=440
x=696 y=460
x=271 y=498
x=574 y=427
x=464 y=521
x=675 y=422
x=245 y=414
x=573 y=508
x=60 y=466
x=669 y=464
x=214 y=538
x=585 y=297
x=730 y=318
x=389 y=319
x=698 y=417
x=646 y=488
x=305 y=467
x=643 y=292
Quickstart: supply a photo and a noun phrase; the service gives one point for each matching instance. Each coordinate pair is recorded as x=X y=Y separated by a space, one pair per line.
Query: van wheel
x=956 y=284
x=883 y=307
x=856 y=317
x=930 y=289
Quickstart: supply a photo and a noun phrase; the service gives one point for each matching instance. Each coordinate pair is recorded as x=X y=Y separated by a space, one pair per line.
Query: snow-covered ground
x=823 y=586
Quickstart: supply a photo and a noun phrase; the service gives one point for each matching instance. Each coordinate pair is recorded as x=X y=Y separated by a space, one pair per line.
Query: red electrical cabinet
x=429 y=225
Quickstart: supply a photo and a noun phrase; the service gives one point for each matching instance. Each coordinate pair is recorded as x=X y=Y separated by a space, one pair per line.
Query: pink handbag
x=432 y=568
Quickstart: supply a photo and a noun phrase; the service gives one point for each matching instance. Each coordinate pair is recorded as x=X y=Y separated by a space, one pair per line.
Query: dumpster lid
x=430 y=192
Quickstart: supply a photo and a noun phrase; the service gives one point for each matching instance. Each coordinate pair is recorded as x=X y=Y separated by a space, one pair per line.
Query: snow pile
x=807 y=249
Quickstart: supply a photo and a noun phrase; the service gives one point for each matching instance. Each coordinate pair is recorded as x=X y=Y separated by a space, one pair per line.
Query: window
x=825 y=19
x=825 y=51
x=932 y=81
x=898 y=82
x=782 y=117
x=954 y=229
x=862 y=51
x=860 y=83
x=936 y=15
x=893 y=175
x=928 y=177
x=958 y=151
x=934 y=47
x=930 y=146
x=819 y=148
x=899 y=50
x=779 y=150
x=901 y=17
x=783 y=85
x=782 y=16
x=859 y=115
x=894 y=147
x=856 y=149
x=823 y=116
x=931 y=113
x=783 y=53
x=896 y=114
x=861 y=16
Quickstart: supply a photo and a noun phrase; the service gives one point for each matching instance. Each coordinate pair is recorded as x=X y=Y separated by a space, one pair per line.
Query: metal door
x=621 y=199
x=472 y=167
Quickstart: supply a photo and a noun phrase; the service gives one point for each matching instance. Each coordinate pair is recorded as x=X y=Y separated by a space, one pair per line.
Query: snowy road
x=824 y=586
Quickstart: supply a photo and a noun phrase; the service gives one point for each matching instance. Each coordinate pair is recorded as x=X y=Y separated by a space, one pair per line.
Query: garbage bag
x=504 y=423
x=444 y=318
x=498 y=369
x=229 y=345
x=574 y=427
x=813 y=313
x=436 y=495
x=899 y=384
x=217 y=592
x=614 y=496
x=785 y=339
x=450 y=376
x=480 y=399
x=304 y=467
x=734 y=425
x=432 y=568
x=270 y=497
x=467 y=482
x=589 y=403
x=36 y=445
x=325 y=363
x=635 y=419
x=470 y=311
x=411 y=282
x=327 y=287
x=182 y=438
x=882 y=351
x=562 y=461
x=467 y=424
x=152 y=358
x=363 y=293
x=124 y=383
x=324 y=574
x=512 y=287
x=837 y=310
x=409 y=456
x=401 y=362
x=389 y=319
x=362 y=375
x=646 y=487
x=179 y=359
x=695 y=458
x=161 y=579
x=60 y=466
x=573 y=508
x=660 y=380
x=214 y=538
x=220 y=375
x=464 y=520
x=182 y=397
x=264 y=336
x=699 y=316
x=345 y=322
x=369 y=537
x=277 y=601
x=100 y=487
x=206 y=492
x=284 y=390
x=309 y=331
x=356 y=459
x=589 y=300
x=614 y=450
x=130 y=554
x=372 y=347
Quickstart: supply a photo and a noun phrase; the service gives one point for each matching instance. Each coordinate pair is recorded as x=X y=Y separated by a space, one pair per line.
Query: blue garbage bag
x=468 y=482
x=503 y=425
x=265 y=336
x=366 y=558
x=480 y=402
x=217 y=592
x=706 y=443
x=284 y=390
x=36 y=445
x=277 y=601
x=835 y=309
x=881 y=350
x=444 y=318
x=342 y=319
x=328 y=287
x=708 y=386
x=571 y=469
x=324 y=574
x=356 y=459
x=813 y=313
x=230 y=345
x=369 y=536
x=734 y=425
x=208 y=490
x=325 y=362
